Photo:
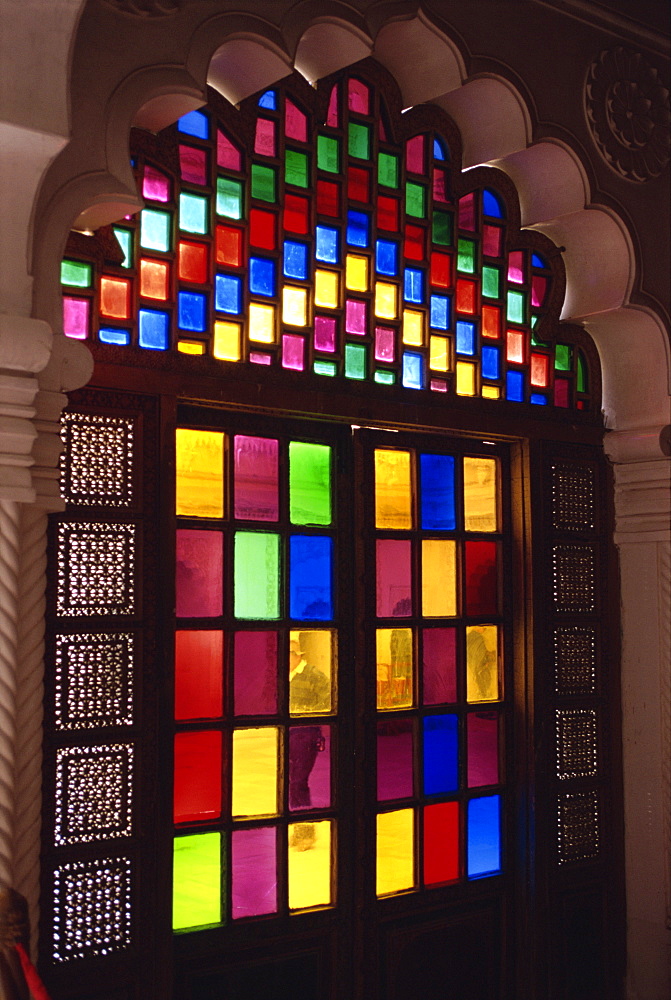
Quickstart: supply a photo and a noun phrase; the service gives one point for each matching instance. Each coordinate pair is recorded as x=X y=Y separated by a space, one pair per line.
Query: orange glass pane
x=539 y=370
x=229 y=246
x=393 y=489
x=465 y=296
x=515 y=346
x=491 y=321
x=115 y=297
x=193 y=262
x=154 y=279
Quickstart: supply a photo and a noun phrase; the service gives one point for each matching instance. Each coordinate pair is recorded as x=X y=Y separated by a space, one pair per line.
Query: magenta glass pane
x=255 y=478
x=325 y=334
x=295 y=122
x=199 y=573
x=414 y=154
x=481 y=578
x=467 y=212
x=76 y=318
x=393 y=578
x=357 y=97
x=516 y=266
x=256 y=358
x=309 y=767
x=491 y=241
x=561 y=392
x=254 y=872
x=355 y=316
x=483 y=749
x=439 y=666
x=227 y=154
x=384 y=343
x=255 y=673
x=155 y=185
x=193 y=164
x=264 y=140
x=332 y=115
x=293 y=352
x=538 y=290
x=394 y=759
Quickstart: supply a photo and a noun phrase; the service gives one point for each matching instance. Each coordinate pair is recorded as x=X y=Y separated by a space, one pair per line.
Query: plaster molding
x=9 y=574
x=643 y=502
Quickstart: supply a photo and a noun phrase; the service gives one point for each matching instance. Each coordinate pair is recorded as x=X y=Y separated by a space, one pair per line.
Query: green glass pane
x=196 y=881
x=515 y=310
x=355 y=361
x=415 y=200
x=125 y=240
x=296 y=168
x=534 y=321
x=358 y=140
x=193 y=213
x=154 y=230
x=466 y=256
x=387 y=170
x=263 y=183
x=442 y=228
x=385 y=377
x=325 y=368
x=563 y=357
x=229 y=198
x=490 y=282
x=257 y=575
x=73 y=272
x=581 y=374
x=309 y=483
x=328 y=154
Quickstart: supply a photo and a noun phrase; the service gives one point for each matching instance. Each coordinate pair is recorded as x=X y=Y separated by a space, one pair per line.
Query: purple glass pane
x=254 y=870
x=439 y=666
x=255 y=673
x=394 y=759
x=384 y=343
x=309 y=767
x=355 y=316
x=325 y=334
x=199 y=573
x=393 y=578
x=483 y=749
x=293 y=352
x=255 y=478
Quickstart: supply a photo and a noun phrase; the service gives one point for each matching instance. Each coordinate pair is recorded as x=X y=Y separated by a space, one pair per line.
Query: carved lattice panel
x=574 y=578
x=96 y=569
x=578 y=826
x=575 y=660
x=577 y=750
x=573 y=497
x=93 y=793
x=92 y=908
x=97 y=463
x=94 y=680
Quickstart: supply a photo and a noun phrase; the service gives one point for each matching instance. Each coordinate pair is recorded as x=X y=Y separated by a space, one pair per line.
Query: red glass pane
x=393 y=578
x=199 y=573
x=414 y=154
x=491 y=241
x=516 y=266
x=481 y=578
x=539 y=370
x=328 y=199
x=357 y=97
x=115 y=297
x=197 y=783
x=561 y=392
x=491 y=321
x=296 y=213
x=515 y=346
x=387 y=213
x=255 y=478
x=467 y=211
x=413 y=245
x=394 y=759
x=295 y=122
x=440 y=270
x=332 y=114
x=254 y=872
x=440 y=189
x=228 y=155
x=263 y=228
x=465 y=296
x=309 y=767
x=358 y=184
x=193 y=164
x=439 y=665
x=539 y=287
x=441 y=842
x=193 y=262
x=483 y=749
x=229 y=246
x=198 y=674
x=255 y=673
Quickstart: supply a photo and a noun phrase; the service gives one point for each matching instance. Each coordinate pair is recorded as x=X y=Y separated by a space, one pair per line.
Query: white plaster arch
x=330 y=44
x=492 y=116
x=403 y=45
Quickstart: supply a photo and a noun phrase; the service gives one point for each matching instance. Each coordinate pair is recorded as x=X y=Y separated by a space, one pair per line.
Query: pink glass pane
x=309 y=767
x=227 y=154
x=394 y=759
x=516 y=266
x=491 y=241
x=439 y=666
x=76 y=318
x=357 y=97
x=355 y=316
x=332 y=115
x=467 y=211
x=264 y=140
x=155 y=185
x=198 y=674
x=483 y=749
x=325 y=334
x=199 y=573
x=539 y=287
x=393 y=578
x=255 y=478
x=384 y=343
x=293 y=352
x=255 y=673
x=295 y=122
x=256 y=358
x=193 y=164
x=437 y=385
x=414 y=154
x=197 y=780
x=254 y=872
x=561 y=392
x=439 y=185
x=481 y=578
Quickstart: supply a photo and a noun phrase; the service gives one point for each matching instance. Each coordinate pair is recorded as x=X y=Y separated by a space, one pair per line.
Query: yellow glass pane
x=439 y=578
x=393 y=497
x=480 y=494
x=310 y=865
x=326 y=289
x=439 y=357
x=413 y=327
x=190 y=347
x=262 y=323
x=395 y=852
x=465 y=378
x=313 y=665
x=386 y=299
x=294 y=306
x=356 y=273
x=491 y=392
x=394 y=658
x=482 y=663
x=226 y=345
x=199 y=459
x=254 y=772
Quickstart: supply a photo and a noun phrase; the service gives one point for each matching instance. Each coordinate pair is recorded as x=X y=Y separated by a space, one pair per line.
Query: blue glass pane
x=515 y=386
x=112 y=335
x=295 y=260
x=491 y=205
x=268 y=100
x=440 y=312
x=438 y=151
x=261 y=276
x=357 y=229
x=227 y=293
x=326 y=245
x=153 y=329
x=465 y=337
x=191 y=311
x=438 y=511
x=539 y=399
x=413 y=374
x=441 y=772
x=386 y=257
x=537 y=261
x=195 y=123
x=310 y=577
x=484 y=836
x=413 y=285
x=490 y=362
